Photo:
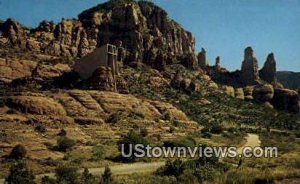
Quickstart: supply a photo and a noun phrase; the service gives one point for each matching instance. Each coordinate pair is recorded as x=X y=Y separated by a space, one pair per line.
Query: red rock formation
x=142 y=27
x=249 y=71
x=268 y=72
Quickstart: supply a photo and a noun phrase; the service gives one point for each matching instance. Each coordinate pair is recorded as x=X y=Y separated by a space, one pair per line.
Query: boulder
x=176 y=81
x=50 y=71
x=229 y=90
x=102 y=79
x=263 y=93
x=35 y=105
x=286 y=99
x=239 y=93
x=248 y=91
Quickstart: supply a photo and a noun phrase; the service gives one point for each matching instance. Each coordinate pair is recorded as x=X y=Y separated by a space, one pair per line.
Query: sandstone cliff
x=142 y=27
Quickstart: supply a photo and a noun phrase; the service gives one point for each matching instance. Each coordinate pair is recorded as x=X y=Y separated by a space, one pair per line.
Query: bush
x=206 y=135
x=144 y=132
x=114 y=118
x=87 y=177
x=20 y=174
x=205 y=173
x=48 y=180
x=18 y=152
x=62 y=133
x=175 y=168
x=98 y=153
x=184 y=142
x=65 y=174
x=136 y=115
x=216 y=129
x=65 y=143
x=128 y=142
x=106 y=176
x=41 y=129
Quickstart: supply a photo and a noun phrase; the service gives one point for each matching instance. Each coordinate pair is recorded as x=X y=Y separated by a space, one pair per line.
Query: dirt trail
x=252 y=141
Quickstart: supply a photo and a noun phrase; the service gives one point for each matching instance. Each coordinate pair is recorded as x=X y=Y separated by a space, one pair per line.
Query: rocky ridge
x=143 y=28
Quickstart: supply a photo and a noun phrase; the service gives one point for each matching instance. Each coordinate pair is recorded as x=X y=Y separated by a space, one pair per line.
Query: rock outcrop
x=144 y=29
x=239 y=93
x=102 y=79
x=35 y=104
x=263 y=93
x=249 y=71
x=12 y=68
x=248 y=92
x=229 y=90
x=202 y=58
x=217 y=65
x=268 y=72
x=286 y=99
x=50 y=71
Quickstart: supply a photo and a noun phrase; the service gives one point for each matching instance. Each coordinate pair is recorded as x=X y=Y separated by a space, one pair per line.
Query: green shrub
x=136 y=115
x=98 y=153
x=62 y=132
x=41 y=129
x=48 y=180
x=20 y=174
x=144 y=132
x=188 y=177
x=172 y=168
x=66 y=174
x=87 y=177
x=18 y=152
x=128 y=142
x=106 y=177
x=206 y=135
x=184 y=142
x=205 y=173
x=114 y=118
x=216 y=129
x=65 y=143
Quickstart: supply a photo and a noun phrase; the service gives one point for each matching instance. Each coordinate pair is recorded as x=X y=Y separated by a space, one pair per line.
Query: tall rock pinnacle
x=268 y=72
x=202 y=58
x=249 y=71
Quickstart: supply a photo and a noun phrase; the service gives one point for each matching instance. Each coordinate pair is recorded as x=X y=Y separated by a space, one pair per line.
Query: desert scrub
x=18 y=152
x=131 y=139
x=114 y=118
x=64 y=143
x=98 y=153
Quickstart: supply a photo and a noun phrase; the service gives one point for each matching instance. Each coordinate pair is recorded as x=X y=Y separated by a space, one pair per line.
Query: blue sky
x=222 y=27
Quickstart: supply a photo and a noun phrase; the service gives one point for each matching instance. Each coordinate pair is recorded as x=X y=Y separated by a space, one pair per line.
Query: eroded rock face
x=36 y=105
x=263 y=93
x=248 y=91
x=286 y=99
x=229 y=90
x=143 y=28
x=239 y=93
x=249 y=71
x=50 y=71
x=11 y=68
x=102 y=79
x=15 y=32
x=268 y=72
